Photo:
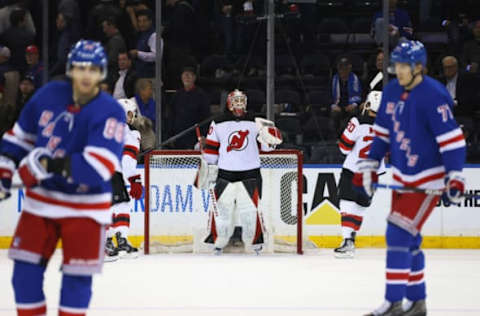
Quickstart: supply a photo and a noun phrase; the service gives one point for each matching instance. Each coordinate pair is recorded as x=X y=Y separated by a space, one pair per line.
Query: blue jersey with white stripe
x=417 y=127
x=92 y=137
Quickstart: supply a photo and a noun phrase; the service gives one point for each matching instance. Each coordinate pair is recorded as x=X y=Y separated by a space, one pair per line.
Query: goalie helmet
x=129 y=106
x=373 y=101
x=237 y=102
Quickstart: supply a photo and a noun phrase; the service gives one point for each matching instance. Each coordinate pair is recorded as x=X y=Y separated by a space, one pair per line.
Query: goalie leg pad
x=75 y=294
x=224 y=220
x=27 y=284
x=250 y=218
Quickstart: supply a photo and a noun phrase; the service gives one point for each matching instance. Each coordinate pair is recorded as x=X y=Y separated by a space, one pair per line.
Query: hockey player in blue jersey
x=66 y=146
x=427 y=151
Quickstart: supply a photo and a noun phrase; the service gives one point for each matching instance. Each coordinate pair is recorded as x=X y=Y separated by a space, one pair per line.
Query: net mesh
x=178 y=212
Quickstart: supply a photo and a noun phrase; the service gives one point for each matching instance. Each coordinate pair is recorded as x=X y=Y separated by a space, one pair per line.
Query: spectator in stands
x=6 y=11
x=144 y=99
x=115 y=44
x=145 y=52
x=471 y=50
x=71 y=13
x=460 y=86
x=35 y=66
x=455 y=21
x=66 y=37
x=190 y=105
x=17 y=38
x=26 y=90
x=106 y=9
x=375 y=78
x=4 y=69
x=105 y=87
x=400 y=24
x=128 y=20
x=346 y=94
x=123 y=81
x=226 y=22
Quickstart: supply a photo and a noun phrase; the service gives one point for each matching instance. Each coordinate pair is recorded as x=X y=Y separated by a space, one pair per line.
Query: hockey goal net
x=176 y=213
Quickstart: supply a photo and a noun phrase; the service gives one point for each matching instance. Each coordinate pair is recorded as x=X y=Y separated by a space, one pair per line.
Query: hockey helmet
x=129 y=106
x=373 y=101
x=410 y=52
x=87 y=53
x=237 y=102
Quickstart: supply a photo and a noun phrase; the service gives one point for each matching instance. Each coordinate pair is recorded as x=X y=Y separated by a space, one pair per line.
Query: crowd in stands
x=327 y=59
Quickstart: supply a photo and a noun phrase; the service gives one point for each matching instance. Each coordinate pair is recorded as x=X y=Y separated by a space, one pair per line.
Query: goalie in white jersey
x=233 y=146
x=355 y=142
x=121 y=198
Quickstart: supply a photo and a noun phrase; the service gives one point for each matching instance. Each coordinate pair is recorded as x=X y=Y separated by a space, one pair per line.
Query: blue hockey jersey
x=92 y=137
x=417 y=127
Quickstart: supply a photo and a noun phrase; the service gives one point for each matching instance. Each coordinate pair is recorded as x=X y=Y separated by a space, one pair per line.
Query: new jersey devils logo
x=237 y=141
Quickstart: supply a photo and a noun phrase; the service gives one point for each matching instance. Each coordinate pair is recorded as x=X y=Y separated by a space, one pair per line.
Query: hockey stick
x=413 y=189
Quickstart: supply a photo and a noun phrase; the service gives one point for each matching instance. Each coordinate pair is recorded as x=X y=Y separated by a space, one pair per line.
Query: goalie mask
x=373 y=101
x=129 y=106
x=237 y=102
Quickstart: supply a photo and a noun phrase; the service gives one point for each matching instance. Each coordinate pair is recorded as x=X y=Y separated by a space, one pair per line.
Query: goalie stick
x=412 y=189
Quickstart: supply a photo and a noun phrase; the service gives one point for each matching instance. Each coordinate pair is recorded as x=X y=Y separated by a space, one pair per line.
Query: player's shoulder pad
x=355 y=120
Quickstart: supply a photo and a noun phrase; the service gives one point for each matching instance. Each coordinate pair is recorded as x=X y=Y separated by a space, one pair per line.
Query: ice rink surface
x=266 y=285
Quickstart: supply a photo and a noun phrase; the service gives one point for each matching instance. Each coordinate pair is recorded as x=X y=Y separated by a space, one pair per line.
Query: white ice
x=266 y=285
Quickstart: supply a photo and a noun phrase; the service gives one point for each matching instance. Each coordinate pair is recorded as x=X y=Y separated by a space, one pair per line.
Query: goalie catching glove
x=206 y=175
x=268 y=134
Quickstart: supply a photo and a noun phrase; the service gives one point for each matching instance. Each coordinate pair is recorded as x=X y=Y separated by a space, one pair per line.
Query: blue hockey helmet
x=87 y=53
x=409 y=52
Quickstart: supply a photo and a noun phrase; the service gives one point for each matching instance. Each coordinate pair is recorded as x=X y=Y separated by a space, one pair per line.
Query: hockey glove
x=7 y=167
x=136 y=189
x=366 y=176
x=33 y=168
x=455 y=187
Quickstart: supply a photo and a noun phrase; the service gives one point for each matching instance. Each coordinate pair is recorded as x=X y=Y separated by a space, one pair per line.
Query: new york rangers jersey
x=419 y=130
x=232 y=144
x=91 y=137
x=356 y=141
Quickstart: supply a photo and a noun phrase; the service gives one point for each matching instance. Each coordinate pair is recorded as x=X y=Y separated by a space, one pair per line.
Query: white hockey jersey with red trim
x=232 y=144
x=356 y=141
x=130 y=153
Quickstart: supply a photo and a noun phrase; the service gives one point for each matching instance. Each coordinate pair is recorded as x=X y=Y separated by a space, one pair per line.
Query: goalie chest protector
x=232 y=143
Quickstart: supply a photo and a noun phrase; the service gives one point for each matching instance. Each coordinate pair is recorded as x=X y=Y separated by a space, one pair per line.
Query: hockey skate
x=111 y=252
x=347 y=248
x=125 y=250
x=417 y=308
x=388 y=309
x=217 y=251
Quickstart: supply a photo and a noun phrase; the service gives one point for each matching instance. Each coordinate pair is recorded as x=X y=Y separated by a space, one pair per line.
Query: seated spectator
x=400 y=24
x=4 y=68
x=26 y=90
x=65 y=38
x=115 y=44
x=471 y=50
x=35 y=66
x=123 y=81
x=106 y=9
x=346 y=93
x=375 y=79
x=190 y=105
x=145 y=52
x=144 y=99
x=460 y=86
x=17 y=37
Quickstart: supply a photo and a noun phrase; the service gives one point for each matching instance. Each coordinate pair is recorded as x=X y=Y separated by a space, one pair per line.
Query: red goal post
x=174 y=170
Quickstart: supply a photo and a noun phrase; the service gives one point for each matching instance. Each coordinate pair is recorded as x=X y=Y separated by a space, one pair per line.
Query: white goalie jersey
x=232 y=143
x=356 y=141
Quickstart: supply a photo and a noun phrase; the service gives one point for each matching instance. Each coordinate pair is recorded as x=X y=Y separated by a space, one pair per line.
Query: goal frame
x=299 y=205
